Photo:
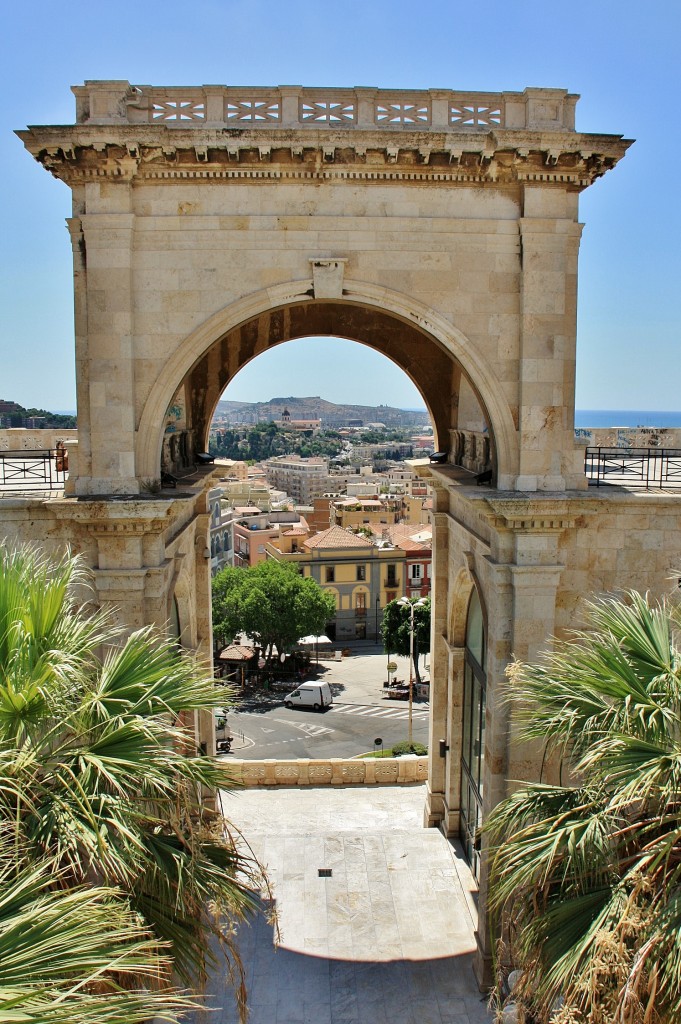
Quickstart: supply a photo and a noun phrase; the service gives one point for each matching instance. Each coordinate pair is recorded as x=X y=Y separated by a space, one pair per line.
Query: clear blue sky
x=622 y=57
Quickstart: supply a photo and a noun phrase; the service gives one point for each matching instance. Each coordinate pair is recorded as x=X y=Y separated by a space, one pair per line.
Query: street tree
x=271 y=603
x=395 y=630
x=115 y=875
x=586 y=877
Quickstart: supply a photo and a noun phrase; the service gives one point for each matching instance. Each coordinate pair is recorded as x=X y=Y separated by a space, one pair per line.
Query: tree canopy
x=265 y=440
x=395 y=630
x=113 y=871
x=271 y=603
x=587 y=877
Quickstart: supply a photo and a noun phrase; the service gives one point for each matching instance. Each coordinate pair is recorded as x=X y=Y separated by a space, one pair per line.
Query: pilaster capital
x=534 y=515
x=536 y=577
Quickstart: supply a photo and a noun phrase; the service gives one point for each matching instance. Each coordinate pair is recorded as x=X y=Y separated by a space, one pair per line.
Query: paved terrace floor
x=388 y=939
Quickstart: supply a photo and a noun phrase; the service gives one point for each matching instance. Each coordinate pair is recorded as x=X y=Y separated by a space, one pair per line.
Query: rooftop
x=337 y=537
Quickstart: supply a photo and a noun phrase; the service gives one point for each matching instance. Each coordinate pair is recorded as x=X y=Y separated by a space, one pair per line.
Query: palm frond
x=99 y=780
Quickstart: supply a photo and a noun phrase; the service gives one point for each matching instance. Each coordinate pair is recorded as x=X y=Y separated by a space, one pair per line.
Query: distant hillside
x=331 y=414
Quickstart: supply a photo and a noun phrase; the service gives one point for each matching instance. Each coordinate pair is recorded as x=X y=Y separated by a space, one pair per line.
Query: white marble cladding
x=119 y=102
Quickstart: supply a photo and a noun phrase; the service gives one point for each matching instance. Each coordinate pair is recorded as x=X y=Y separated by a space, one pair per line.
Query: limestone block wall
x=534 y=559
x=466 y=230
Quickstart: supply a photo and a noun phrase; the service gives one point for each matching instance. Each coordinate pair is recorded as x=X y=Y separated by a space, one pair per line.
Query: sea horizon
x=583 y=417
x=627 y=418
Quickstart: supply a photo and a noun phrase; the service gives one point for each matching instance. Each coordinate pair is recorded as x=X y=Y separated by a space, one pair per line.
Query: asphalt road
x=269 y=729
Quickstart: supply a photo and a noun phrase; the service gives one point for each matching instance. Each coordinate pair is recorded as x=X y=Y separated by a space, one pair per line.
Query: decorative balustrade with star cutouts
x=119 y=102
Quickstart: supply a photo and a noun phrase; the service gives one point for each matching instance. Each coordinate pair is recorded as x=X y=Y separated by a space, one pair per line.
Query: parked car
x=310 y=695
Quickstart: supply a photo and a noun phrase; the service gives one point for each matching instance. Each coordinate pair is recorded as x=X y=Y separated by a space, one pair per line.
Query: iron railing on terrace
x=648 y=467
x=40 y=469
x=287 y=106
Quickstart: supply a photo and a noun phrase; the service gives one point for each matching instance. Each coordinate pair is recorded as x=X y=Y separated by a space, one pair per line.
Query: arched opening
x=467 y=404
x=473 y=729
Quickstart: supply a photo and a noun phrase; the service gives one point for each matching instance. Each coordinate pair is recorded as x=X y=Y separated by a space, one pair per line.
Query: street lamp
x=411 y=605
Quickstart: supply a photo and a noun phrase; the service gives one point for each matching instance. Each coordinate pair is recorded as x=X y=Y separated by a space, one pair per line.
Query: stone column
x=549 y=237
x=106 y=373
x=435 y=799
x=204 y=620
x=451 y=824
x=521 y=618
x=83 y=466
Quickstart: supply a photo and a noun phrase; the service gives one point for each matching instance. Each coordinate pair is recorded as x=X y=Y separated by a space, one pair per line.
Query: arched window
x=473 y=739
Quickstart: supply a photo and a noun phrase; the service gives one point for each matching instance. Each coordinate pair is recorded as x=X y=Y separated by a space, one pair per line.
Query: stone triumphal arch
x=441 y=228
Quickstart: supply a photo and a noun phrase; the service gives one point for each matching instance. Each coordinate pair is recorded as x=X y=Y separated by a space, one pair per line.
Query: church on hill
x=310 y=427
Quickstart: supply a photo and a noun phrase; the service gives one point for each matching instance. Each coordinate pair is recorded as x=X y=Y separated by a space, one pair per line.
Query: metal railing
x=650 y=467
x=38 y=469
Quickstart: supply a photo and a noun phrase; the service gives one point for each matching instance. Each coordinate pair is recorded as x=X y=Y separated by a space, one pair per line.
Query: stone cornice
x=159 y=153
x=536 y=515
x=131 y=528
x=130 y=517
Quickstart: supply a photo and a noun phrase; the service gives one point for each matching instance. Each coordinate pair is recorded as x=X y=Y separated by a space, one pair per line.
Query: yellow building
x=362 y=574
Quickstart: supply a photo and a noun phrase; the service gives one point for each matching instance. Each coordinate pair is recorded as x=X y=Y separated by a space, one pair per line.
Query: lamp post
x=412 y=606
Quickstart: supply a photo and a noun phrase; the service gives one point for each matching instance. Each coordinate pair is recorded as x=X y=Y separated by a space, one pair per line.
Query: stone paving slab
x=387 y=939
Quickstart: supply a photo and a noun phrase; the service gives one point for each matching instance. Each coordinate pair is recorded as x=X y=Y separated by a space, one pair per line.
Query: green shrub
x=405 y=747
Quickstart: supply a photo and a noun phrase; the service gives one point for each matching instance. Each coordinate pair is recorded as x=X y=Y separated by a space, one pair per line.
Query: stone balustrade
x=17 y=439
x=292 y=106
x=335 y=771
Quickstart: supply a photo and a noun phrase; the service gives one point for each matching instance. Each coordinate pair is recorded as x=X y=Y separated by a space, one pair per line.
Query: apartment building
x=359 y=512
x=302 y=479
x=253 y=529
x=221 y=531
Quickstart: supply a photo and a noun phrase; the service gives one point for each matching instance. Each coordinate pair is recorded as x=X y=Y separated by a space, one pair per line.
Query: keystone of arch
x=431 y=323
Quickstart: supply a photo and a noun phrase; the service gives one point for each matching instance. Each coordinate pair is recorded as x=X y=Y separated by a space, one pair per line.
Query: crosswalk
x=376 y=711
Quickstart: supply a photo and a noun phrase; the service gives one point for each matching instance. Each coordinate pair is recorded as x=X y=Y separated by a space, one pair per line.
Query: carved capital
x=550 y=516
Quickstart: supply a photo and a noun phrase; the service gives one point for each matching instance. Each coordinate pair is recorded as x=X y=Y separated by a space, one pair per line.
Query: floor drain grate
x=325 y=872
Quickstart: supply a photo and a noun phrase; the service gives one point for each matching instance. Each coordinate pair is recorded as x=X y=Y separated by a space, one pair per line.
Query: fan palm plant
x=100 y=779
x=67 y=955
x=586 y=876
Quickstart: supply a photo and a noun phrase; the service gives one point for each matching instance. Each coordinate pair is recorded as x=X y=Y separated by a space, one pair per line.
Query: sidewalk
x=387 y=939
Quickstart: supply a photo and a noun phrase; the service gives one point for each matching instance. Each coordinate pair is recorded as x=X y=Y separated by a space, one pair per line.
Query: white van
x=310 y=695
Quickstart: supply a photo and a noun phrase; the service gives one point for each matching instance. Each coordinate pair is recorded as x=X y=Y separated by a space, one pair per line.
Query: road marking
x=307 y=727
x=376 y=711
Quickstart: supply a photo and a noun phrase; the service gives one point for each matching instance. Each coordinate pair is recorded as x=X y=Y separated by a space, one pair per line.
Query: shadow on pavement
x=297 y=986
